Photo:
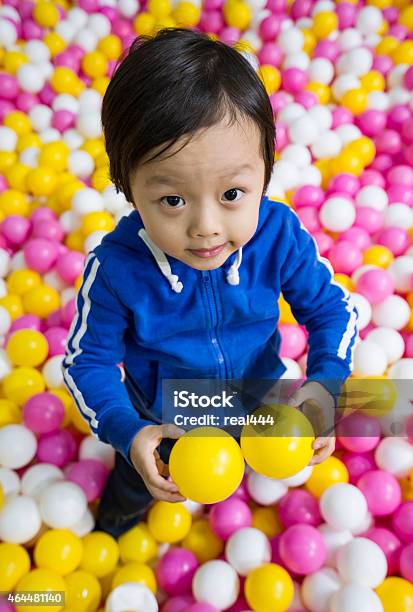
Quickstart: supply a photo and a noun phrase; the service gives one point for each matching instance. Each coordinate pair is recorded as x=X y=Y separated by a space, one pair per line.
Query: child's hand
x=149 y=464
x=318 y=406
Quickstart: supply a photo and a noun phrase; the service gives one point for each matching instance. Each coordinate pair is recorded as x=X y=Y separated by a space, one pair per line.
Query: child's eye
x=173 y=200
x=172 y=203
x=233 y=194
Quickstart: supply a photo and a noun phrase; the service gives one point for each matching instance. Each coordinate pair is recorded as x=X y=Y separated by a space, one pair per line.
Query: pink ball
x=346 y=14
x=394 y=238
x=40 y=254
x=294 y=79
x=299 y=506
x=42 y=214
x=402 y=522
x=401 y=193
x=67 y=313
x=9 y=86
x=211 y=21
x=302 y=549
x=328 y=49
x=388 y=141
x=359 y=433
x=5 y=107
x=63 y=120
x=306 y=98
x=308 y=216
x=382 y=162
x=242 y=491
x=90 y=6
x=67 y=59
x=406 y=562
x=402 y=175
x=277 y=6
x=408 y=78
x=382 y=63
x=70 y=265
x=210 y=5
x=341 y=116
x=47 y=95
x=26 y=322
x=382 y=492
x=43 y=412
x=372 y=177
x=308 y=195
x=175 y=570
x=49 y=229
x=390 y=545
x=301 y=8
x=230 y=34
x=228 y=516
x=324 y=242
x=270 y=53
x=376 y=285
x=56 y=447
x=201 y=607
x=5 y=606
x=56 y=339
x=270 y=27
x=345 y=183
x=25 y=101
x=281 y=136
x=345 y=257
x=16 y=229
x=278 y=101
x=372 y=122
x=293 y=341
x=358 y=464
x=357 y=236
x=397 y=116
x=91 y=475
x=369 y=218
x=178 y=604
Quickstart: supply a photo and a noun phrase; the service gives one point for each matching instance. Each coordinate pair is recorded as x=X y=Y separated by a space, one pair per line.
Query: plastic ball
x=269 y=588
x=43 y=413
x=62 y=505
x=100 y=554
x=351 y=594
x=27 y=348
x=59 y=550
x=202 y=541
x=137 y=544
x=335 y=503
x=169 y=522
x=20 y=519
x=41 y=301
x=393 y=312
x=14 y=564
x=57 y=447
x=136 y=597
x=135 y=572
x=395 y=594
x=38 y=477
x=362 y=560
x=83 y=591
x=302 y=549
x=17 y=446
x=216 y=583
x=376 y=285
x=265 y=490
x=175 y=571
x=247 y=549
x=317 y=588
x=90 y=475
x=326 y=474
x=390 y=545
x=229 y=516
x=299 y=506
x=402 y=522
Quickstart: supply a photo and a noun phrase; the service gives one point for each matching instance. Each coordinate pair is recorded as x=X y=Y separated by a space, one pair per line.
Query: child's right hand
x=148 y=463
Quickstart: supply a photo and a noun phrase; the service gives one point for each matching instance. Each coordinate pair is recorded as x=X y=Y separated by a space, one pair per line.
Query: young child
x=186 y=286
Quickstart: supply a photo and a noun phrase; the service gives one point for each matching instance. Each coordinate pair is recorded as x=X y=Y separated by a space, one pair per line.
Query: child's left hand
x=318 y=406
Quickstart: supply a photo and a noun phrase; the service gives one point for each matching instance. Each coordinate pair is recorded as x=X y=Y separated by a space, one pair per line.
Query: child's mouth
x=208 y=252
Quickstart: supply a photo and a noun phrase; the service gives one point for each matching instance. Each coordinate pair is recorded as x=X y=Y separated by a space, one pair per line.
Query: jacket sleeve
x=94 y=347
x=322 y=305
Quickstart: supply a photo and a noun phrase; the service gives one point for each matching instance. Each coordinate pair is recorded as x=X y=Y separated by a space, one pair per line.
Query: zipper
x=222 y=367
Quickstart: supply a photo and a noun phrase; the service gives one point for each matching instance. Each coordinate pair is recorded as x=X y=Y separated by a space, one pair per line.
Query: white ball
x=40 y=116
x=52 y=372
x=113 y=201
x=298 y=59
x=30 y=156
x=99 y=24
x=93 y=240
x=395 y=421
x=5 y=365
x=337 y=214
x=318 y=588
x=296 y=154
x=363 y=308
x=65 y=102
x=195 y=508
x=36 y=51
x=293 y=370
x=300 y=478
x=77 y=17
x=52 y=279
x=84 y=526
x=30 y=78
x=378 y=100
x=359 y=61
x=18 y=261
x=372 y=196
x=393 y=312
x=8 y=33
x=4 y=257
x=86 y=201
x=303 y=131
x=92 y=448
x=342 y=84
x=73 y=139
x=361 y=560
x=62 y=504
x=290 y=113
x=347 y=133
x=89 y=124
x=66 y=30
x=38 y=477
x=20 y=519
x=133 y=597
x=265 y=490
x=247 y=549
x=328 y=144
x=5 y=321
x=401 y=270
x=334 y=539
x=291 y=40
x=369 y=359
x=398 y=215
x=369 y=20
x=90 y=100
x=343 y=506
x=286 y=174
x=394 y=455
x=128 y=8
x=310 y=176
x=18 y=446
x=216 y=583
x=9 y=11
x=321 y=70
x=353 y=596
x=398 y=95
x=81 y=164
x=8 y=139
x=67 y=294
x=402 y=370
x=9 y=481
x=322 y=117
x=390 y=341
x=86 y=39
x=49 y=135
x=395 y=76
x=348 y=39
x=69 y=221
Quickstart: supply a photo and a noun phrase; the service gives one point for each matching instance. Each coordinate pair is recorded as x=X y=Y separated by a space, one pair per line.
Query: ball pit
x=334 y=538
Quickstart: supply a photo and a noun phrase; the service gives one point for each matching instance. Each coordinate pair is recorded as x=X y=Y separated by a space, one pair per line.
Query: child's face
x=204 y=198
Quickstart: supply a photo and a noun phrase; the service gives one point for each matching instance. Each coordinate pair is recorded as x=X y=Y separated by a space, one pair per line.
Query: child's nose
x=206 y=222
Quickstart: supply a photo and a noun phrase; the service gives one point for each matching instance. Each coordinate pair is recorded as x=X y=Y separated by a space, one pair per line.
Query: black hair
x=172 y=84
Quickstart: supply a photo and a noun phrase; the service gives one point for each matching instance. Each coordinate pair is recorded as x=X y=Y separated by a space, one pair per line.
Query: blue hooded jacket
x=166 y=320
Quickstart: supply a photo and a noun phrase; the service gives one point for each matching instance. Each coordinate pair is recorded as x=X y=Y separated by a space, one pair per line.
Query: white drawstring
x=233 y=274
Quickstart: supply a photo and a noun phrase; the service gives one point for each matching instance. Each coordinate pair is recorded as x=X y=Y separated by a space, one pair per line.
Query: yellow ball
x=83 y=592
x=66 y=192
x=41 y=181
x=386 y=45
x=266 y=520
x=100 y=554
x=59 y=550
x=238 y=14
x=381 y=4
x=19 y=122
x=13 y=305
x=46 y=14
x=64 y=80
x=206 y=464
x=269 y=588
x=27 y=347
x=378 y=255
x=186 y=14
x=270 y=77
x=310 y=41
x=202 y=541
x=100 y=179
x=16 y=176
x=345 y=281
x=67 y=402
x=278 y=441
x=325 y=474
x=21 y=384
x=406 y=17
x=144 y=23
x=159 y=8
x=166 y=22
x=363 y=147
x=41 y=579
x=10 y=414
x=375 y=395
x=75 y=240
x=54 y=155
x=97 y=221
x=100 y=84
x=55 y=43
x=348 y=162
x=111 y=46
x=94 y=64
x=322 y=91
x=137 y=544
x=41 y=301
x=286 y=315
x=21 y=281
x=324 y=23
x=93 y=146
x=78 y=420
x=396 y=594
x=373 y=81
x=7 y=159
x=13 y=60
x=28 y=141
x=403 y=53
x=355 y=100
x=13 y=202
x=169 y=522
x=14 y=564
x=135 y=572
